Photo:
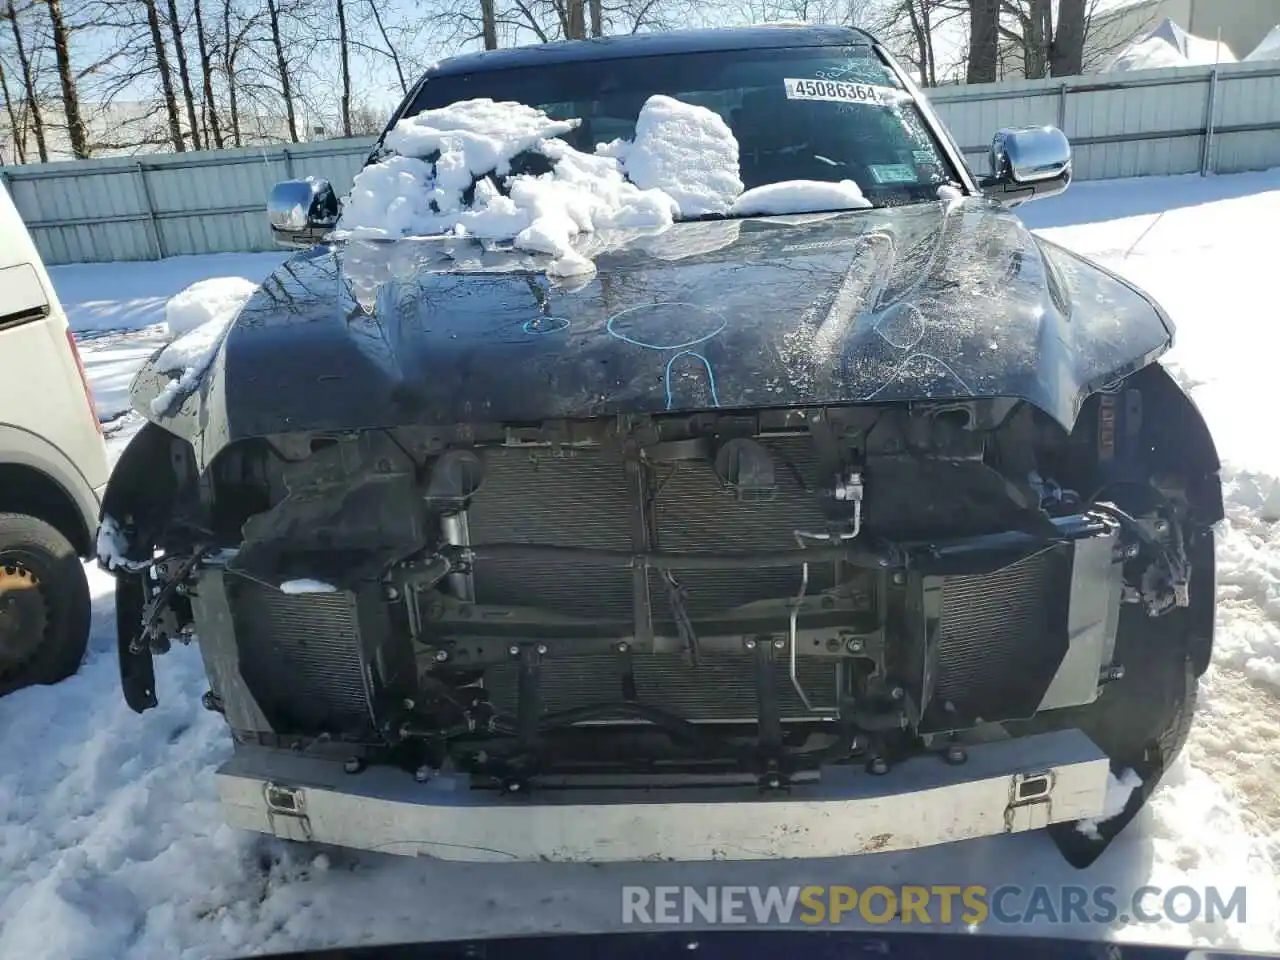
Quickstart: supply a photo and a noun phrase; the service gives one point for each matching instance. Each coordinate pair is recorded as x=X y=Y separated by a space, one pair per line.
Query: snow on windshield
x=440 y=184
x=498 y=171
x=684 y=150
x=800 y=196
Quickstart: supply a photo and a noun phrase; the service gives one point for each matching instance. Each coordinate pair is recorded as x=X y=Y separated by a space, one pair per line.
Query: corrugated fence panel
x=1121 y=125
x=1245 y=104
x=163 y=206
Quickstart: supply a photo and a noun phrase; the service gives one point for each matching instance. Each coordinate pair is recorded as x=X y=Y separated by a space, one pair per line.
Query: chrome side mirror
x=301 y=212
x=1028 y=163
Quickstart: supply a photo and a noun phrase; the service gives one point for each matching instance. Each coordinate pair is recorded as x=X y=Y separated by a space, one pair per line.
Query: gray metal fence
x=1194 y=119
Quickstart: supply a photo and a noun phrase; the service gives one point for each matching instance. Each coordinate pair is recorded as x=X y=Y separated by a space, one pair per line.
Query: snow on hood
x=499 y=171
x=1268 y=49
x=201 y=314
x=204 y=301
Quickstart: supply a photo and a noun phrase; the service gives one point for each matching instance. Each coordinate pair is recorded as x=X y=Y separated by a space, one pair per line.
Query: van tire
x=36 y=549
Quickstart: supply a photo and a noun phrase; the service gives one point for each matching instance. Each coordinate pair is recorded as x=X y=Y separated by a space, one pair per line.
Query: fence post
x=1206 y=160
x=288 y=163
x=1062 y=106
x=145 y=189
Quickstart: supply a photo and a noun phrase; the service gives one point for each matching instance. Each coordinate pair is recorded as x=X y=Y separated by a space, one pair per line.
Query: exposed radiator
x=1002 y=637
x=722 y=686
x=300 y=656
x=583 y=500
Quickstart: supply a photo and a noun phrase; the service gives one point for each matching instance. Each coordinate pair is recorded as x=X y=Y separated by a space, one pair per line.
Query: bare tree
x=1066 y=52
x=391 y=47
x=286 y=89
x=344 y=52
x=574 y=21
x=31 y=96
x=490 y=24
x=209 y=106
x=183 y=75
x=366 y=121
x=1047 y=44
x=597 y=18
x=230 y=51
x=166 y=78
x=909 y=27
x=66 y=77
x=17 y=130
x=984 y=40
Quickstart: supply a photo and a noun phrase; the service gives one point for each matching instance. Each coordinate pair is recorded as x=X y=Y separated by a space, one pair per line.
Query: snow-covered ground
x=110 y=839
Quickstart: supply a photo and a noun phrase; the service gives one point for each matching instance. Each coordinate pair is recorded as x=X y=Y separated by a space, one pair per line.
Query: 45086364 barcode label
x=838 y=91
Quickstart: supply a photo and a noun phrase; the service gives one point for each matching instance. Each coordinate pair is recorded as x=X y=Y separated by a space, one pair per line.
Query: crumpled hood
x=953 y=299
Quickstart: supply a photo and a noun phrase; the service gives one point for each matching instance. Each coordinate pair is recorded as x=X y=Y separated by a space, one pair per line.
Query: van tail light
x=84 y=381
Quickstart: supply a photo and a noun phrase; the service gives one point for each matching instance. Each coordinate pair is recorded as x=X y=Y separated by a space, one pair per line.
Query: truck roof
x=654 y=45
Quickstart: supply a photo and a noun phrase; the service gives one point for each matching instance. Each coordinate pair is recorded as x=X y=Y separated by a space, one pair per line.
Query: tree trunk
x=282 y=64
x=921 y=40
x=931 y=64
x=1037 y=37
x=229 y=71
x=1066 y=54
x=19 y=135
x=597 y=18
x=206 y=71
x=489 y=23
x=67 y=77
x=984 y=40
x=183 y=75
x=345 y=56
x=29 y=89
x=575 y=25
x=166 y=78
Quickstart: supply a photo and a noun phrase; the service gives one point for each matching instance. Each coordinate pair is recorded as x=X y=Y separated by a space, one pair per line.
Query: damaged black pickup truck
x=774 y=535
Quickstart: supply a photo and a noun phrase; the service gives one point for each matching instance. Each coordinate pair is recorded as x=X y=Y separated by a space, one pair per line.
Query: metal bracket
x=287 y=812
x=626 y=671
x=769 y=717
x=1030 y=801
x=529 y=694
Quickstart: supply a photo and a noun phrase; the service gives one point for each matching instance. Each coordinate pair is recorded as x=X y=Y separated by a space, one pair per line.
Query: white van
x=53 y=467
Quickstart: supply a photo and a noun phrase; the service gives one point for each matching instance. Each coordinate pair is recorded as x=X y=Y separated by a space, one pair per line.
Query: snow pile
x=1113 y=804
x=1268 y=49
x=204 y=301
x=684 y=150
x=113 y=547
x=1168 y=45
x=800 y=196
x=566 y=192
x=205 y=310
x=1153 y=53
x=498 y=171
x=307 y=586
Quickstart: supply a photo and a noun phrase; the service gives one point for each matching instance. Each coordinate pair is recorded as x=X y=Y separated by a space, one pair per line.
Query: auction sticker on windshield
x=838 y=90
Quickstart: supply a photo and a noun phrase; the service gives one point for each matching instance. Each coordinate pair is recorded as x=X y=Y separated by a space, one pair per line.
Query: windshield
x=823 y=113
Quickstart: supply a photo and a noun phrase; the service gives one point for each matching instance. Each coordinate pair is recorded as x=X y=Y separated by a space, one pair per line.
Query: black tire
x=1140 y=721
x=38 y=551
